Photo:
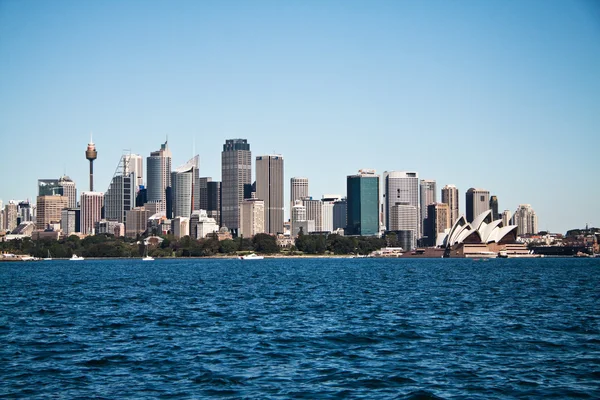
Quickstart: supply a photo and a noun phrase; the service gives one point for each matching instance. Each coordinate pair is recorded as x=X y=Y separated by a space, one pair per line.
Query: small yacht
x=251 y=257
x=75 y=257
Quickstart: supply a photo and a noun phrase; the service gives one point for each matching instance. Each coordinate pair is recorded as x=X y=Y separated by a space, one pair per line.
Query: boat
x=251 y=257
x=49 y=258
x=75 y=257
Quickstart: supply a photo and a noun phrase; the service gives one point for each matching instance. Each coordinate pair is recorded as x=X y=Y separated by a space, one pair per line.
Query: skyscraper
x=236 y=170
x=314 y=212
x=401 y=187
x=526 y=220
x=158 y=169
x=428 y=196
x=340 y=214
x=450 y=197
x=476 y=202
x=49 y=187
x=213 y=206
x=438 y=220
x=49 y=210
x=252 y=217
x=184 y=181
x=327 y=213
x=494 y=207
x=69 y=190
x=135 y=163
x=363 y=203
x=298 y=190
x=120 y=195
x=203 y=193
x=11 y=214
x=91 y=154
x=297 y=214
x=91 y=211
x=269 y=187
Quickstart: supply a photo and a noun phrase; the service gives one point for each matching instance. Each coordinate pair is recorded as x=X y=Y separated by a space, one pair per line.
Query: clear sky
x=501 y=95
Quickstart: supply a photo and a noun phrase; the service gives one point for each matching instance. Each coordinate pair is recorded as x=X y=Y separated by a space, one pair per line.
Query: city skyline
x=391 y=86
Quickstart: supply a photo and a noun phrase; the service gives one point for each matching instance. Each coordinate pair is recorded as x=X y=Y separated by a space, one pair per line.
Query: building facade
x=49 y=210
x=135 y=163
x=185 y=181
x=158 y=169
x=120 y=195
x=401 y=187
x=404 y=217
x=427 y=191
x=137 y=221
x=477 y=201
x=252 y=217
x=363 y=203
x=298 y=190
x=526 y=220
x=494 y=207
x=269 y=188
x=450 y=197
x=69 y=190
x=91 y=211
x=236 y=171
x=69 y=221
x=438 y=220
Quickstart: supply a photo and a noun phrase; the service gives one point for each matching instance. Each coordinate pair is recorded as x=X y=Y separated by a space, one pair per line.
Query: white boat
x=75 y=257
x=49 y=258
x=251 y=257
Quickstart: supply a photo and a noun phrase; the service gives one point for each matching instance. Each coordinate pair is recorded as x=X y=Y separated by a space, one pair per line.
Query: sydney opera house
x=482 y=237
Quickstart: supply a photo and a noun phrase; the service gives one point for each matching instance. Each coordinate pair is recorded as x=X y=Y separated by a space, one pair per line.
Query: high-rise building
x=120 y=195
x=428 y=196
x=49 y=187
x=137 y=221
x=180 y=227
x=526 y=220
x=476 y=202
x=69 y=190
x=11 y=215
x=297 y=215
x=269 y=188
x=184 y=181
x=438 y=220
x=401 y=187
x=252 y=217
x=506 y=218
x=25 y=211
x=213 y=207
x=327 y=217
x=340 y=214
x=404 y=217
x=135 y=163
x=236 y=170
x=450 y=197
x=314 y=212
x=494 y=207
x=158 y=170
x=203 y=193
x=69 y=220
x=49 y=210
x=363 y=203
x=91 y=211
x=91 y=154
x=298 y=190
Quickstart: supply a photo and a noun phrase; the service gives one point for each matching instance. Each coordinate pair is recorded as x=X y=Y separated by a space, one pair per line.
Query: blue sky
x=502 y=95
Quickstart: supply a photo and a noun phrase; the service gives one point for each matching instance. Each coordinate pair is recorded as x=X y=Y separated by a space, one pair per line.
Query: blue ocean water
x=301 y=328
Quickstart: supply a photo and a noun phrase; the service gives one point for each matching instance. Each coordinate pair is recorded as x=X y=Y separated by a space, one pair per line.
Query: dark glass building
x=362 y=203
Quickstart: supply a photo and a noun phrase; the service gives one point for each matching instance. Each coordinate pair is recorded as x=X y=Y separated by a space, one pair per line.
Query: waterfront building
x=120 y=195
x=49 y=210
x=91 y=154
x=185 y=181
x=69 y=221
x=450 y=197
x=180 y=227
x=252 y=217
x=236 y=171
x=526 y=220
x=158 y=169
x=477 y=201
x=340 y=210
x=427 y=190
x=314 y=212
x=494 y=207
x=436 y=223
x=69 y=190
x=402 y=187
x=91 y=211
x=137 y=221
x=404 y=217
x=298 y=190
x=327 y=213
x=269 y=188
x=363 y=203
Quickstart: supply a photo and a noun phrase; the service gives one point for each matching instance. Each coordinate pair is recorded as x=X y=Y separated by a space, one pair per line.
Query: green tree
x=265 y=243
